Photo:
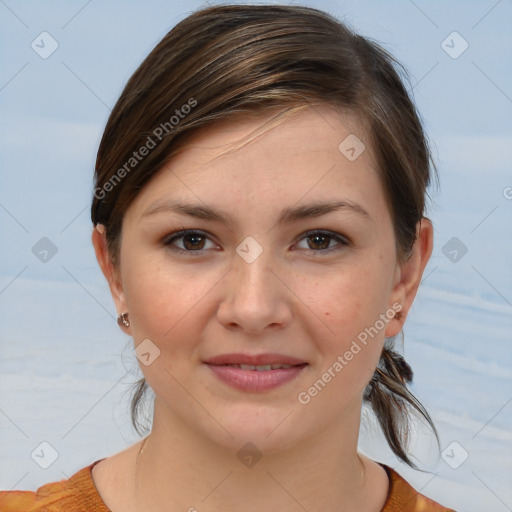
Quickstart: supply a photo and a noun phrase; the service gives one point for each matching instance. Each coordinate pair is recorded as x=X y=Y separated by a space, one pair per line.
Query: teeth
x=261 y=367
x=276 y=366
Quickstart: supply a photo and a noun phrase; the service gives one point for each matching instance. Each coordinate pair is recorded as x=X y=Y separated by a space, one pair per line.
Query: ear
x=409 y=274
x=109 y=270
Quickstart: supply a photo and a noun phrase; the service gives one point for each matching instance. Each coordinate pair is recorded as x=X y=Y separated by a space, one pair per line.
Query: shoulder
x=76 y=494
x=402 y=497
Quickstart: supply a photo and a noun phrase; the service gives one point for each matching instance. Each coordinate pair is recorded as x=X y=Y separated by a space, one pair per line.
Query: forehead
x=255 y=159
x=318 y=127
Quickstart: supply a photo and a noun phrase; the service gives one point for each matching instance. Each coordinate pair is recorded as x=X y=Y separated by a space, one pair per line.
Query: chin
x=269 y=429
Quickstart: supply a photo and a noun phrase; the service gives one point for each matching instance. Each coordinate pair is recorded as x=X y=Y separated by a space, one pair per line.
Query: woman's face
x=309 y=287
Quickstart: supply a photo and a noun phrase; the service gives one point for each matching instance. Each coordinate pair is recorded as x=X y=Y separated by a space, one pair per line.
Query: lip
x=255 y=380
x=255 y=360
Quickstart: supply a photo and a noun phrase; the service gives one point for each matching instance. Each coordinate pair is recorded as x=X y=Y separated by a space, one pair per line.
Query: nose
x=256 y=297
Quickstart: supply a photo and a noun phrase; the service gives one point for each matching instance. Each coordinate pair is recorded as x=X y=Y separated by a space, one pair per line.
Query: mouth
x=263 y=367
x=255 y=373
x=255 y=360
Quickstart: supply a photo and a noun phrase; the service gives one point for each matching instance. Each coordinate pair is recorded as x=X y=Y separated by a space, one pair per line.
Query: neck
x=178 y=469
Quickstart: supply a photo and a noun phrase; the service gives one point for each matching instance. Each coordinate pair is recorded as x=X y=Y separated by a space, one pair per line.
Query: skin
x=291 y=300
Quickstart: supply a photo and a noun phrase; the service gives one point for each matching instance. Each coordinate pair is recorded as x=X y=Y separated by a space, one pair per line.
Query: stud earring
x=122 y=320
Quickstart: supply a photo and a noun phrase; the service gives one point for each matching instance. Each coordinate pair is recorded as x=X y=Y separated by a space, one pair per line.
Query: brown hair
x=230 y=59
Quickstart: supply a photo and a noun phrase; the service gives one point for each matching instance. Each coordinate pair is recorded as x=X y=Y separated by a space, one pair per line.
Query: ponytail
x=391 y=401
x=141 y=388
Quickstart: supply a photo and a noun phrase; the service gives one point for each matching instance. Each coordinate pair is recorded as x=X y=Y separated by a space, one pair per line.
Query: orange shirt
x=79 y=494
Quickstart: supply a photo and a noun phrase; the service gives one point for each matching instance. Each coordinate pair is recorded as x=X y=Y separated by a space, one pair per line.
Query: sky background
x=66 y=368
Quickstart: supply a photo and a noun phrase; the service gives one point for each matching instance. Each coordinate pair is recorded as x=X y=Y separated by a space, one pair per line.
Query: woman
x=258 y=214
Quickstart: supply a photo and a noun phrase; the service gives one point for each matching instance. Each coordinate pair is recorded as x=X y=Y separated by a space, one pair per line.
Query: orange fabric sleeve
x=402 y=497
x=76 y=494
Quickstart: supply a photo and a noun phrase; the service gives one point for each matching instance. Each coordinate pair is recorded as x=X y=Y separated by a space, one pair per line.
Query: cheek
x=164 y=300
x=356 y=310
x=164 y=306
x=353 y=300
x=351 y=351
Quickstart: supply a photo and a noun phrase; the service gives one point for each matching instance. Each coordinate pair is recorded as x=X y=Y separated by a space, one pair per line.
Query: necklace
x=142 y=446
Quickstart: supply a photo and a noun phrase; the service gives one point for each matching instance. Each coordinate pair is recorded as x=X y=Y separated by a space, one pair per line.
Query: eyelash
x=342 y=241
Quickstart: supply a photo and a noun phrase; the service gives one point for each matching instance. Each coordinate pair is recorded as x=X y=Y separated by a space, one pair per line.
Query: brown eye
x=321 y=241
x=191 y=241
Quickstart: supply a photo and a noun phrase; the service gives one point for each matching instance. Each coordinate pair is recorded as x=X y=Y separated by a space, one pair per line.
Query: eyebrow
x=288 y=215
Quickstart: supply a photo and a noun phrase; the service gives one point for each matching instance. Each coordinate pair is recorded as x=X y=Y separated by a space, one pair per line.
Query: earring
x=122 y=320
